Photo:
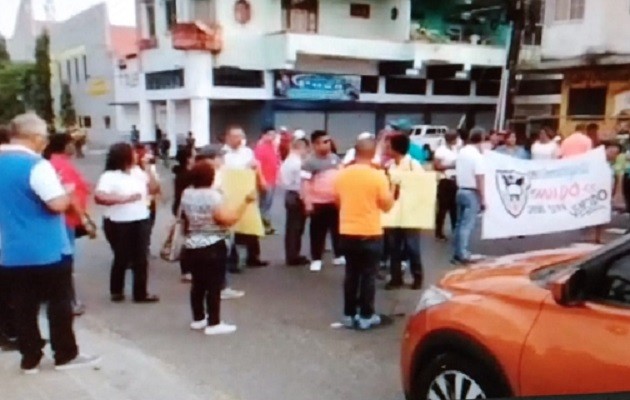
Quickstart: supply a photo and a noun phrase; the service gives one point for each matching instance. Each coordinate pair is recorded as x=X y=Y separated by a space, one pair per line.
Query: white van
x=433 y=135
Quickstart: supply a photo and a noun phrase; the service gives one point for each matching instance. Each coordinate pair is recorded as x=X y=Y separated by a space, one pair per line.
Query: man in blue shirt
x=36 y=253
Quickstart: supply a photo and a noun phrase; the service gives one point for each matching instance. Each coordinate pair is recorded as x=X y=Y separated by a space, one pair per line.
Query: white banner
x=526 y=197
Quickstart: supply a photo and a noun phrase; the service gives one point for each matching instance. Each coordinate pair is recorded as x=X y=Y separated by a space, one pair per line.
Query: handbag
x=87 y=228
x=172 y=247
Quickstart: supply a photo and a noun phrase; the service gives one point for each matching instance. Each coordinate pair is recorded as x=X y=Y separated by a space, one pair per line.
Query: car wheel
x=453 y=377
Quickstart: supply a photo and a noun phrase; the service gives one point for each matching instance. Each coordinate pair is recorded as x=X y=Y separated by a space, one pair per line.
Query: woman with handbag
x=206 y=220
x=125 y=189
x=78 y=223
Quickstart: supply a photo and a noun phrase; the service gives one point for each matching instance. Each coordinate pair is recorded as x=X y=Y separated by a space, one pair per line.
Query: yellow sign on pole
x=236 y=184
x=415 y=207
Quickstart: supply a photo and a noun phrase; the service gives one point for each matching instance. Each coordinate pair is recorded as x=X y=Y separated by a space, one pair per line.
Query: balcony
x=148 y=44
x=197 y=36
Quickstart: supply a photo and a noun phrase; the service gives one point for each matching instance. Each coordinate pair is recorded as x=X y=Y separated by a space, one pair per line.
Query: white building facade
x=338 y=65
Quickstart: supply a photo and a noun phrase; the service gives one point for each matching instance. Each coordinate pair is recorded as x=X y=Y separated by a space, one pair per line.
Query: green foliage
x=15 y=90
x=4 y=54
x=41 y=97
x=67 y=113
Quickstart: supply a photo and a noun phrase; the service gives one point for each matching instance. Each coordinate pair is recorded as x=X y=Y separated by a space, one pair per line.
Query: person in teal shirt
x=416 y=151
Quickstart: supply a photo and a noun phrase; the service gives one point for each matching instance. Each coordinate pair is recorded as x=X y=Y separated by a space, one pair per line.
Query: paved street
x=284 y=347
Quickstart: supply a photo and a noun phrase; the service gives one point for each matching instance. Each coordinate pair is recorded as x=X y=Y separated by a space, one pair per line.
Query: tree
x=15 y=91
x=67 y=112
x=4 y=54
x=42 y=101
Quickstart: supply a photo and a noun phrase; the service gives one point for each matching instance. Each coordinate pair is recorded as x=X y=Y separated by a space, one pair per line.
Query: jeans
x=404 y=244
x=468 y=207
x=324 y=219
x=265 y=203
x=294 y=226
x=44 y=284
x=446 y=204
x=362 y=259
x=130 y=251
x=208 y=272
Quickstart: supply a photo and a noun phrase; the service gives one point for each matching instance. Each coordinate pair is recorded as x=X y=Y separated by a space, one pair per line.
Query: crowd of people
x=341 y=198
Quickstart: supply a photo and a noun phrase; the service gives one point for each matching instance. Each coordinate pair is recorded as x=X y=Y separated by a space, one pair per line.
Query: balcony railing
x=147 y=44
x=197 y=36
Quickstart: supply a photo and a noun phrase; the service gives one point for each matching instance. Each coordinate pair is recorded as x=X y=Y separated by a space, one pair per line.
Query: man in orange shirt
x=576 y=144
x=363 y=193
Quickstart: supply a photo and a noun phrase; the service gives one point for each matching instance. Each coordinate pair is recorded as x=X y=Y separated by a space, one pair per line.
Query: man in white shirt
x=291 y=182
x=469 y=173
x=238 y=156
x=444 y=161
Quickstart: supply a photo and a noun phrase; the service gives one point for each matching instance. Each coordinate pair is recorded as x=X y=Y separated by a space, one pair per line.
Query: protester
x=135 y=135
x=319 y=171
x=286 y=140
x=291 y=181
x=145 y=167
x=36 y=253
x=363 y=193
x=269 y=161
x=613 y=150
x=511 y=147
x=492 y=141
x=8 y=334
x=350 y=154
x=403 y=240
x=444 y=163
x=59 y=151
x=592 y=131
x=239 y=156
x=576 y=144
x=544 y=148
x=126 y=192
x=469 y=173
x=213 y=156
x=207 y=219
x=185 y=160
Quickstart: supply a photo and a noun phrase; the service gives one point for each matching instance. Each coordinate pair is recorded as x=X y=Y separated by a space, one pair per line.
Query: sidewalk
x=126 y=373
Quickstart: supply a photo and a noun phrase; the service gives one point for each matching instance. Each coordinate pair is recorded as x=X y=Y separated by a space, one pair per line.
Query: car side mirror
x=567 y=288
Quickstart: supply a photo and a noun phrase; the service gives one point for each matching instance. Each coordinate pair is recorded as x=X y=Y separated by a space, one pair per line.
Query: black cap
x=210 y=151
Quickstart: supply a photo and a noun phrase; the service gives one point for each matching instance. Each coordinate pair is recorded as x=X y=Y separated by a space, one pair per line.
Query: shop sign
x=310 y=86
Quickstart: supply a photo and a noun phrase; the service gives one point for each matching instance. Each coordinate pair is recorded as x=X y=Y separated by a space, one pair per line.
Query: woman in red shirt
x=59 y=151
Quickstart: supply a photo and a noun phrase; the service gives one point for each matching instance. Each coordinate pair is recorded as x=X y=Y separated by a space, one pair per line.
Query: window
x=68 y=71
x=234 y=77
x=76 y=69
x=108 y=121
x=614 y=287
x=85 y=68
x=400 y=85
x=369 y=84
x=588 y=102
x=171 y=13
x=360 y=10
x=569 y=10
x=164 y=80
x=150 y=12
x=300 y=16
x=87 y=122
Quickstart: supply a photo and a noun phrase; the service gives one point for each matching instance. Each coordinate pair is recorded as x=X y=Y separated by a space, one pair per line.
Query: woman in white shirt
x=125 y=190
x=544 y=148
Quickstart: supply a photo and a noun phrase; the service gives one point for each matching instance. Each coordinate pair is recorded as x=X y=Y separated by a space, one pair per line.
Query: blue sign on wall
x=298 y=86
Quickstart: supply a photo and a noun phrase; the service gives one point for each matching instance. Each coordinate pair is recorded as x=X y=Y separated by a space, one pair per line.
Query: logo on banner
x=513 y=188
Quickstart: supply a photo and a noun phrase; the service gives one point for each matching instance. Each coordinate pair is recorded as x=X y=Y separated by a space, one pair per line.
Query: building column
x=200 y=121
x=147 y=122
x=171 y=126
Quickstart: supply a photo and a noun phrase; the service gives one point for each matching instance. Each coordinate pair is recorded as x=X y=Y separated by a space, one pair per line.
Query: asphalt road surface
x=284 y=348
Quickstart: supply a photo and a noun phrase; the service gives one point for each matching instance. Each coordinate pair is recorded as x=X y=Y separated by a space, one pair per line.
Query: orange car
x=540 y=323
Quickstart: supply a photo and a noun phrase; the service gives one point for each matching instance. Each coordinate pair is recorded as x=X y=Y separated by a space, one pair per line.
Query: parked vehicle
x=553 y=322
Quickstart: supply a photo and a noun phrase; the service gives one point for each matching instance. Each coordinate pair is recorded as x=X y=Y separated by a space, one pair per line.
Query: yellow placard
x=98 y=87
x=415 y=207
x=236 y=184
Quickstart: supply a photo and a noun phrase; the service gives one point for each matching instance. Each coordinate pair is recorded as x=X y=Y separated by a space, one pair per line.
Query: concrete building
x=585 y=47
x=21 y=45
x=85 y=52
x=340 y=65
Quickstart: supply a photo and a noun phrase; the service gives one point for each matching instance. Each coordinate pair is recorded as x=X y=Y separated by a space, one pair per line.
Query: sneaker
x=80 y=361
x=316 y=266
x=339 y=261
x=29 y=367
x=368 y=323
x=348 y=321
x=186 y=278
x=199 y=325
x=231 y=294
x=30 y=371
x=220 y=329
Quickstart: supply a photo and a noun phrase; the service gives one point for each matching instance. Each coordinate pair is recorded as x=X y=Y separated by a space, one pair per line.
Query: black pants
x=130 y=251
x=208 y=271
x=626 y=191
x=362 y=258
x=404 y=244
x=31 y=287
x=294 y=226
x=251 y=243
x=7 y=309
x=324 y=219
x=446 y=192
